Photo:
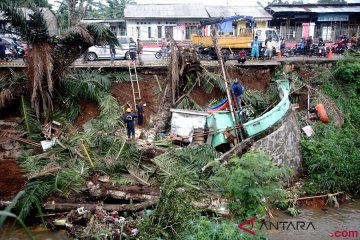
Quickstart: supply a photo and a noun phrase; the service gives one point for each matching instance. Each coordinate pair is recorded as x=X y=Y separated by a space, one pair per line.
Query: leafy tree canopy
x=27 y=3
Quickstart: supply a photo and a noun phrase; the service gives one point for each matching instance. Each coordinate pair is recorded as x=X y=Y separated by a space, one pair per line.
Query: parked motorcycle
x=9 y=55
x=162 y=54
x=338 y=48
x=206 y=53
x=288 y=52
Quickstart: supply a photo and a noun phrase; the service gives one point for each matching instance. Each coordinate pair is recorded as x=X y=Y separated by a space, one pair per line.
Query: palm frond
x=30 y=122
x=16 y=17
x=10 y=87
x=35 y=192
x=102 y=34
x=69 y=181
x=188 y=103
x=46 y=170
x=210 y=80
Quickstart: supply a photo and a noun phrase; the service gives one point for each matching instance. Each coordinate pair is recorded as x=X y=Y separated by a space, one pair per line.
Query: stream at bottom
x=316 y=223
x=313 y=224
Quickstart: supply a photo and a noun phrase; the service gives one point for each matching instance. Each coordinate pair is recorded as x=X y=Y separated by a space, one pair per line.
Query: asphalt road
x=149 y=59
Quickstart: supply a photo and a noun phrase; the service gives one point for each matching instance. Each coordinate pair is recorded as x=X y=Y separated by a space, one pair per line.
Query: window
x=149 y=22
x=138 y=31
x=190 y=30
x=158 y=22
x=149 y=32
x=159 y=31
x=137 y=23
x=124 y=40
x=113 y=29
x=169 y=31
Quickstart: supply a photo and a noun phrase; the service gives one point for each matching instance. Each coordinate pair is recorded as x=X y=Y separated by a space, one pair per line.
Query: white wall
x=178 y=28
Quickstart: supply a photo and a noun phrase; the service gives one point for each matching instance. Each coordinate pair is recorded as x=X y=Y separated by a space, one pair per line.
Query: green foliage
x=251 y=182
x=259 y=101
x=30 y=122
x=205 y=228
x=114 y=9
x=332 y=154
x=189 y=160
x=332 y=157
x=89 y=86
x=10 y=207
x=35 y=192
x=9 y=214
x=348 y=72
x=172 y=211
x=188 y=103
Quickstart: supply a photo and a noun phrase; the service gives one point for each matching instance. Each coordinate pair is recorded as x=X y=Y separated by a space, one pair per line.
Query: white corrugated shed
x=165 y=11
x=254 y=11
x=192 y=11
x=183 y=122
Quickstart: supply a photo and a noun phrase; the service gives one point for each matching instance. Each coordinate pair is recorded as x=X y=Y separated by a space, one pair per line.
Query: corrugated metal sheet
x=165 y=11
x=192 y=11
x=224 y=11
x=316 y=9
x=183 y=122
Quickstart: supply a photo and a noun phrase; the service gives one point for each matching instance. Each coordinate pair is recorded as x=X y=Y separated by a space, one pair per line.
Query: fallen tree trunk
x=125 y=192
x=108 y=207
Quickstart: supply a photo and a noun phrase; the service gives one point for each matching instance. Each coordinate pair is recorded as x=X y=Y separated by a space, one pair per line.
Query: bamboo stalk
x=87 y=155
x=320 y=196
x=158 y=82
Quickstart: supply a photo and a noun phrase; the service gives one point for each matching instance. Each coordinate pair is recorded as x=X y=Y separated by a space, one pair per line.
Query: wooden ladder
x=134 y=81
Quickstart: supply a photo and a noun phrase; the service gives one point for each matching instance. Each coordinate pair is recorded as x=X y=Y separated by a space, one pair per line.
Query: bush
x=251 y=182
x=332 y=157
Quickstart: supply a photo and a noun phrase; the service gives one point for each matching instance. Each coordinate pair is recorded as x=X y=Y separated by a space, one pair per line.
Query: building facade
x=180 y=21
x=328 y=21
x=117 y=26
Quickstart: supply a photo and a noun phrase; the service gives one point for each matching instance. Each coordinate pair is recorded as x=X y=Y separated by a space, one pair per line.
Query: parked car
x=103 y=52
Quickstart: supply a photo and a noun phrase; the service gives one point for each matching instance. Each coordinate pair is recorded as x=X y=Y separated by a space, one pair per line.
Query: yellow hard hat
x=128 y=110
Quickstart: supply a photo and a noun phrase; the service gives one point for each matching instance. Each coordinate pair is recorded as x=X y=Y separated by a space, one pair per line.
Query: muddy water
x=14 y=232
x=320 y=224
x=330 y=223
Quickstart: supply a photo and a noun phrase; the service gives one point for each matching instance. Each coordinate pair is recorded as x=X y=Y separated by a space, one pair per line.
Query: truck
x=233 y=44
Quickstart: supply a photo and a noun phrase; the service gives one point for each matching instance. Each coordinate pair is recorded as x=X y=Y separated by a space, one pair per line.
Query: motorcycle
x=205 y=53
x=339 y=47
x=162 y=54
x=9 y=55
x=320 y=50
x=288 y=52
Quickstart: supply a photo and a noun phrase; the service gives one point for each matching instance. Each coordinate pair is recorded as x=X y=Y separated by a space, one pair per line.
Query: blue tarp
x=226 y=26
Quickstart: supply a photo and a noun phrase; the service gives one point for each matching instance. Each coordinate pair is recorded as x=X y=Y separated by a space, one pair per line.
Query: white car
x=103 y=52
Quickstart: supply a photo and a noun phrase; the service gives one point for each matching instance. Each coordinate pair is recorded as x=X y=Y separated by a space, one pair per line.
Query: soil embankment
x=11 y=175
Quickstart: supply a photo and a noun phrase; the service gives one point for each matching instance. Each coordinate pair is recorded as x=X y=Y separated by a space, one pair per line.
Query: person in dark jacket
x=2 y=49
x=238 y=91
x=140 y=113
x=129 y=119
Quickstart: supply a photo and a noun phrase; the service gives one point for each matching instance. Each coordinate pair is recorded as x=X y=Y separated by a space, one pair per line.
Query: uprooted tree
x=50 y=56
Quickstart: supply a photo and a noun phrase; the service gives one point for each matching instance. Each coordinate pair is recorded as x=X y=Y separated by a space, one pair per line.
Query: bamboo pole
x=87 y=155
x=320 y=196
x=217 y=49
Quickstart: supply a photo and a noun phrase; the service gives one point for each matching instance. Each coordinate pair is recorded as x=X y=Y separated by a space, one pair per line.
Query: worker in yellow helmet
x=130 y=123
